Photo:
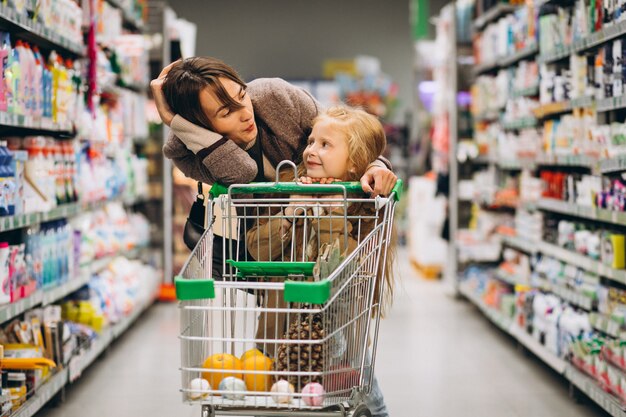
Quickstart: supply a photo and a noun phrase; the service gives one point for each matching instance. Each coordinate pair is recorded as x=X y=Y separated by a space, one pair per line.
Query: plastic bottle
x=15 y=104
x=29 y=79
x=5 y=50
x=38 y=83
x=53 y=66
x=5 y=291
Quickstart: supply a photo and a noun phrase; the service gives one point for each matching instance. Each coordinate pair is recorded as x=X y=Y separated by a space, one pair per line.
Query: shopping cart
x=287 y=327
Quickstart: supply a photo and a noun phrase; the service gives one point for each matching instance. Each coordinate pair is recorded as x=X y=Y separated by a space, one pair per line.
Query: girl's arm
x=332 y=227
x=266 y=240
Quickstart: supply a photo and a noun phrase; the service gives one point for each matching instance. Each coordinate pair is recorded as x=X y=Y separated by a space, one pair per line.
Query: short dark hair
x=186 y=80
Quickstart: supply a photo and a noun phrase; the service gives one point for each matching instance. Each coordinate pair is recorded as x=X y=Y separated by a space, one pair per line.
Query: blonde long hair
x=366 y=142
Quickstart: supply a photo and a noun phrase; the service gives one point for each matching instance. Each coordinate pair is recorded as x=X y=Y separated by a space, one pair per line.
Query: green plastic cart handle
x=295 y=188
x=272 y=269
x=194 y=289
x=307 y=292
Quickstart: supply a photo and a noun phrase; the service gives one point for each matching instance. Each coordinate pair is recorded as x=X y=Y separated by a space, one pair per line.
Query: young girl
x=342 y=144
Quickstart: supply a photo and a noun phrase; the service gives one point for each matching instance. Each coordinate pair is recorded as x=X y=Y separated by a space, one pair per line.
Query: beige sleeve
x=265 y=240
x=329 y=228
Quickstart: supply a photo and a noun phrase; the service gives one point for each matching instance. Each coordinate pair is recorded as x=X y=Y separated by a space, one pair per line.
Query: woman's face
x=237 y=125
x=327 y=154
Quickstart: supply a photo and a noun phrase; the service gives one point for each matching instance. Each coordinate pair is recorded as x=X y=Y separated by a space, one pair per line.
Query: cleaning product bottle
x=53 y=65
x=5 y=290
x=5 y=50
x=38 y=85
x=15 y=104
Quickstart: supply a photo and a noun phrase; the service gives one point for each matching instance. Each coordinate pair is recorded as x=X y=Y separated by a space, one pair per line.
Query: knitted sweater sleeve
x=190 y=147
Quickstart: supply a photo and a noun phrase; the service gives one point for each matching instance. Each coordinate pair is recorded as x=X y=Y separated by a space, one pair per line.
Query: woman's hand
x=159 y=98
x=382 y=180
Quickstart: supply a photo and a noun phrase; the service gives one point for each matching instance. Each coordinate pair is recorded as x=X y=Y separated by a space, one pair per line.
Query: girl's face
x=327 y=154
x=238 y=125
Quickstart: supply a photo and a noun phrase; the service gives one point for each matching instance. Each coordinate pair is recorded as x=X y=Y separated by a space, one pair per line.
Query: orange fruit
x=226 y=362
x=250 y=353
x=258 y=382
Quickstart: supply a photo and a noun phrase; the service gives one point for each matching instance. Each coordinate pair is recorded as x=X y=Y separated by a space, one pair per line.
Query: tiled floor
x=437 y=357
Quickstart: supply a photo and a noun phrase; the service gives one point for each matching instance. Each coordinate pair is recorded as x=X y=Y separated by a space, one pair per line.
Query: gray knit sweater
x=284 y=115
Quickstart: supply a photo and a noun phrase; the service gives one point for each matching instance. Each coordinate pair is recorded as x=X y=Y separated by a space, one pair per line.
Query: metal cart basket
x=286 y=321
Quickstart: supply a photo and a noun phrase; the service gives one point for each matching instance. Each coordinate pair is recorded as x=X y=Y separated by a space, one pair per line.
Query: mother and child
x=228 y=131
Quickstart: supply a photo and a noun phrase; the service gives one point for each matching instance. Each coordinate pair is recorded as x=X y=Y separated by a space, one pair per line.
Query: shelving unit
x=23 y=27
x=37 y=33
x=77 y=366
x=608 y=110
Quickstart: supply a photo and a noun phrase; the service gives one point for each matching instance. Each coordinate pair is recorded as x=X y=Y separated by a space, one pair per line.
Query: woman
x=226 y=131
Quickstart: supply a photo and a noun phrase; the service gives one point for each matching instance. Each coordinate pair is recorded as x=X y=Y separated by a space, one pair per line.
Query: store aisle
x=437 y=357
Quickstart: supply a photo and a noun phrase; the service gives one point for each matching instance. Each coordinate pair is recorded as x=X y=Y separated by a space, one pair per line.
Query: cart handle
x=218 y=189
x=194 y=289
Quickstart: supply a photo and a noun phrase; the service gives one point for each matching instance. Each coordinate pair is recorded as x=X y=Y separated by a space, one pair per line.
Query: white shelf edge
x=492 y=14
x=520 y=244
x=587 y=385
x=8 y=14
x=583 y=262
x=587 y=212
x=19 y=221
x=556 y=363
x=43 y=394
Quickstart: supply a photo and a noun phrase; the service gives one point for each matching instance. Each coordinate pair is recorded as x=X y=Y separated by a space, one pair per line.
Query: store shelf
x=493 y=14
x=520 y=244
x=496 y=317
x=128 y=21
x=616 y=164
x=591 y=388
x=553 y=109
x=9 y=311
x=506 y=61
x=61 y=212
x=43 y=394
x=611 y=103
x=491 y=116
x=42 y=125
x=555 y=55
x=506 y=277
x=51 y=295
x=526 y=92
x=606 y=325
x=582 y=161
x=556 y=363
x=581 y=261
x=586 y=212
x=572 y=297
x=524 y=123
x=26 y=29
x=592 y=41
x=520 y=55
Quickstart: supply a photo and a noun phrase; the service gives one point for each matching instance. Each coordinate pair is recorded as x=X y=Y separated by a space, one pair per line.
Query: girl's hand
x=309 y=180
x=382 y=179
x=156 y=86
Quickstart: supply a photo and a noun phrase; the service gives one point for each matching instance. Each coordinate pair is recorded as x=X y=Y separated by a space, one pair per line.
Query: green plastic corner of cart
x=398 y=189
x=272 y=269
x=194 y=289
x=217 y=190
x=307 y=292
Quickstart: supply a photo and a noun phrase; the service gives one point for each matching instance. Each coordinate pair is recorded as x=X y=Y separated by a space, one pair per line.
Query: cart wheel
x=361 y=410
